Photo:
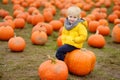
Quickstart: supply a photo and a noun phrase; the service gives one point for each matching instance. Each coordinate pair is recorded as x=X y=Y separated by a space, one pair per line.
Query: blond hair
x=74 y=11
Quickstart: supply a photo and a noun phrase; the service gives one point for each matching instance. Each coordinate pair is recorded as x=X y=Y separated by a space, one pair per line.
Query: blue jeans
x=60 y=54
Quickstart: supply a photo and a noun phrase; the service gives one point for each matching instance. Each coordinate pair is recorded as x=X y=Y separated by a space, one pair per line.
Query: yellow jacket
x=75 y=36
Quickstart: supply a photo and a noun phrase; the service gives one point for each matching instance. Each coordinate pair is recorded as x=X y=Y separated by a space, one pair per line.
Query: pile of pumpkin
x=79 y=62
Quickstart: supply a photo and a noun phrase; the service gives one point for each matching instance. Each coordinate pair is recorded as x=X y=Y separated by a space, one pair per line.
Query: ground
x=24 y=65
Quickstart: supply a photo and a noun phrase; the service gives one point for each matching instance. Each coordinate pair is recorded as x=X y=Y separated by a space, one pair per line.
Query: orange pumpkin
x=15 y=6
x=91 y=16
x=49 y=28
x=107 y=3
x=22 y=15
x=103 y=22
x=56 y=24
x=19 y=23
x=16 y=12
x=39 y=37
x=48 y=16
x=31 y=9
x=3 y=24
x=63 y=12
x=3 y=13
x=112 y=17
x=37 y=18
x=117 y=21
x=60 y=31
x=116 y=33
x=29 y=19
x=16 y=44
x=10 y=23
x=117 y=12
x=53 y=70
x=39 y=27
x=8 y=17
x=5 y=1
x=62 y=19
x=83 y=14
x=87 y=7
x=104 y=30
x=24 y=4
x=59 y=41
x=92 y=26
x=6 y=32
x=96 y=40
x=80 y=61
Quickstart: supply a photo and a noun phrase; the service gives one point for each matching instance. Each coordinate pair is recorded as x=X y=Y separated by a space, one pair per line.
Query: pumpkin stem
x=15 y=35
x=52 y=59
x=97 y=32
x=118 y=25
x=83 y=49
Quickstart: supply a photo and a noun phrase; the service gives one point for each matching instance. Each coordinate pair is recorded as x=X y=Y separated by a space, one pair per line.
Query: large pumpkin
x=16 y=44
x=6 y=32
x=80 y=61
x=116 y=33
x=53 y=70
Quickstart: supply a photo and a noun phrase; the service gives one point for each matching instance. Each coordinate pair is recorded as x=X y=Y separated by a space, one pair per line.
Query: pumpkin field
x=36 y=26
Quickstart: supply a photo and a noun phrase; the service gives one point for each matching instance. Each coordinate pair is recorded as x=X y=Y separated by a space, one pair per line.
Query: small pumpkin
x=39 y=27
x=8 y=17
x=62 y=19
x=29 y=19
x=96 y=40
x=60 y=31
x=48 y=16
x=80 y=61
x=4 y=13
x=104 y=30
x=59 y=41
x=5 y=1
x=103 y=22
x=92 y=26
x=31 y=9
x=39 y=37
x=19 y=23
x=10 y=23
x=49 y=28
x=16 y=44
x=53 y=70
x=112 y=17
x=116 y=33
x=117 y=21
x=56 y=24
x=36 y=18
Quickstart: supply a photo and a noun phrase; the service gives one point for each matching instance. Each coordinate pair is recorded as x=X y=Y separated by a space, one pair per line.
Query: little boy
x=74 y=32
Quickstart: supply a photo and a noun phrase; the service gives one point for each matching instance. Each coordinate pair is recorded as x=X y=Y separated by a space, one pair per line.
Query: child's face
x=72 y=18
